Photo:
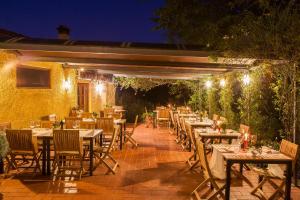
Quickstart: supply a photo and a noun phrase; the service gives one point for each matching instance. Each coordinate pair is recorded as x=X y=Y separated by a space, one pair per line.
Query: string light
x=208 y=84
x=222 y=82
x=246 y=79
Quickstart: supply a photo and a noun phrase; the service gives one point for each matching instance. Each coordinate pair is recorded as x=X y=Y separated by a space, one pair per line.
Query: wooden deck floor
x=155 y=170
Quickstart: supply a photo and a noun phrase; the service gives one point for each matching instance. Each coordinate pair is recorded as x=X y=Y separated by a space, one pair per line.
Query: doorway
x=83 y=96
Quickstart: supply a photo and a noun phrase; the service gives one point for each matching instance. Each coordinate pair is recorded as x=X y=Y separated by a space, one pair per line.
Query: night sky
x=103 y=20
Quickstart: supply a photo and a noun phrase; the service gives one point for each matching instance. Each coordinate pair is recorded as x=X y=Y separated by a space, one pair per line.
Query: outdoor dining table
x=206 y=134
x=232 y=154
x=187 y=115
x=46 y=135
x=197 y=123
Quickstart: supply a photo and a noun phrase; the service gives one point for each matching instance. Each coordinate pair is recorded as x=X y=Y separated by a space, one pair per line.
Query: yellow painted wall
x=20 y=105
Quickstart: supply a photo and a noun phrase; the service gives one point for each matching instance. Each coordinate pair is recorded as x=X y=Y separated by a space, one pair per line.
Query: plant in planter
x=148 y=118
x=95 y=114
x=4 y=146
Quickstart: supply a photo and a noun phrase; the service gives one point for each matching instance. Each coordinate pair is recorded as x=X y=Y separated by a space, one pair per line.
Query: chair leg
x=218 y=192
x=265 y=179
x=200 y=186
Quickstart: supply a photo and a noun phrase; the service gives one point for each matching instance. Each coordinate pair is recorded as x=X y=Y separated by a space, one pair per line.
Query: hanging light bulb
x=246 y=79
x=208 y=84
x=222 y=82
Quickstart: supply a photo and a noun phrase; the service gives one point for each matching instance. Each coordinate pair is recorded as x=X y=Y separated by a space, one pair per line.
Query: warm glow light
x=222 y=82
x=246 y=79
x=99 y=88
x=82 y=69
x=67 y=84
x=208 y=84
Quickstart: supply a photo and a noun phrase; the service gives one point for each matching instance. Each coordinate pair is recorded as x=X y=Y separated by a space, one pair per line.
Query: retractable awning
x=126 y=59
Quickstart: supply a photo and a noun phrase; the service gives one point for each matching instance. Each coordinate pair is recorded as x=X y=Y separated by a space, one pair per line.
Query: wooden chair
x=185 y=143
x=172 y=124
x=46 y=124
x=193 y=159
x=23 y=146
x=103 y=154
x=87 y=125
x=129 y=133
x=217 y=185
x=215 y=117
x=5 y=125
x=69 y=121
x=289 y=149
x=179 y=137
x=107 y=125
x=163 y=116
x=68 y=153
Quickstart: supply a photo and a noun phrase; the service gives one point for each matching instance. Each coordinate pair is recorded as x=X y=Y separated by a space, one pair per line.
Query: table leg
x=1 y=165
x=241 y=168
x=48 y=158
x=91 y=156
x=121 y=137
x=230 y=141
x=228 y=180
x=124 y=138
x=288 y=181
x=44 y=157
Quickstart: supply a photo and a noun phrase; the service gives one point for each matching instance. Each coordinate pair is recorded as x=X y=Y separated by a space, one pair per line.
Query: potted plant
x=4 y=147
x=223 y=127
x=148 y=118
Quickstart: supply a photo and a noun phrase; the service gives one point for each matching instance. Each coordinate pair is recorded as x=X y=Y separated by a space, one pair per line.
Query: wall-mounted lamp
x=67 y=84
x=208 y=84
x=246 y=79
x=99 y=88
x=222 y=83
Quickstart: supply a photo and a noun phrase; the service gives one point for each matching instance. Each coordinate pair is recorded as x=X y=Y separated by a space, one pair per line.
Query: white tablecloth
x=217 y=163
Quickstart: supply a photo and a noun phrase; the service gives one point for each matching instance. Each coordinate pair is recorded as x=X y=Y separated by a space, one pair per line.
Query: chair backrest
x=115 y=133
x=289 y=149
x=216 y=117
x=46 y=124
x=172 y=117
x=20 y=140
x=191 y=133
x=182 y=123
x=163 y=113
x=69 y=121
x=177 y=120
x=106 y=124
x=244 y=129
x=67 y=141
x=87 y=125
x=203 y=159
x=5 y=125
